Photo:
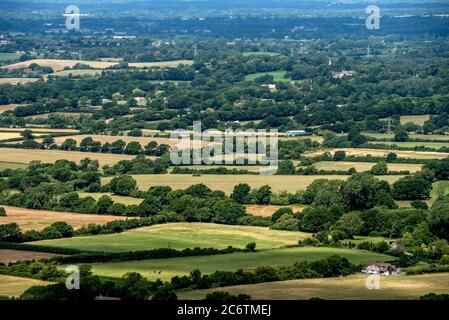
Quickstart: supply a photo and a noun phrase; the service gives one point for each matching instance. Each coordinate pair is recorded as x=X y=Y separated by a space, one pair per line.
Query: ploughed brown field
x=29 y=219
x=7 y=256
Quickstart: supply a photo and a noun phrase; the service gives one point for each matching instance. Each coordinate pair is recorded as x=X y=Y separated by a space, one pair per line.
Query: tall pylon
x=195 y=51
x=389 y=134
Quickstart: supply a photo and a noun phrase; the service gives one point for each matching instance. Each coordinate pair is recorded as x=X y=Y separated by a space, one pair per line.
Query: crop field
x=343 y=288
x=50 y=156
x=278 y=76
x=413 y=144
x=118 y=199
x=9 y=135
x=9 y=107
x=161 y=64
x=16 y=81
x=14 y=286
x=419 y=120
x=65 y=73
x=383 y=153
x=413 y=136
x=364 y=166
x=41 y=130
x=226 y=183
x=60 y=64
x=7 y=256
x=168 y=268
x=29 y=219
x=268 y=210
x=106 y=138
x=181 y=236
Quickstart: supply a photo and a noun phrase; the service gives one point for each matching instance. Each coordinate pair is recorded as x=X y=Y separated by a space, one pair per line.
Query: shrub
x=2 y=212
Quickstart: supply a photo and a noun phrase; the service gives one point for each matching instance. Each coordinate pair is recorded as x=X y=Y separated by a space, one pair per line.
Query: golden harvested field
x=267 y=211
x=7 y=256
x=419 y=120
x=9 y=135
x=384 y=153
x=105 y=138
x=162 y=64
x=41 y=130
x=8 y=107
x=29 y=219
x=118 y=199
x=50 y=156
x=65 y=73
x=343 y=288
x=58 y=65
x=14 y=286
x=16 y=81
x=226 y=183
x=364 y=166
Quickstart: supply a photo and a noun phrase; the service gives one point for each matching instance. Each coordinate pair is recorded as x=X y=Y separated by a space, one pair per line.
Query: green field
x=343 y=288
x=15 y=286
x=12 y=165
x=412 y=144
x=278 y=76
x=168 y=268
x=261 y=53
x=8 y=56
x=413 y=136
x=226 y=183
x=181 y=236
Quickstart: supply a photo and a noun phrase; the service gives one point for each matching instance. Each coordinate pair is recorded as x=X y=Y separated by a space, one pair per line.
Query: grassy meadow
x=181 y=236
x=168 y=268
x=278 y=76
x=342 y=288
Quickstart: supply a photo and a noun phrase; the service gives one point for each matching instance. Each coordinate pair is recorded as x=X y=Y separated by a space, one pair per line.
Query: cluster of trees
x=89 y=145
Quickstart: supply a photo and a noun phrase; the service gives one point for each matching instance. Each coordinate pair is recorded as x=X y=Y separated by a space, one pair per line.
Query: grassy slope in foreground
x=15 y=286
x=352 y=287
x=181 y=236
x=168 y=268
